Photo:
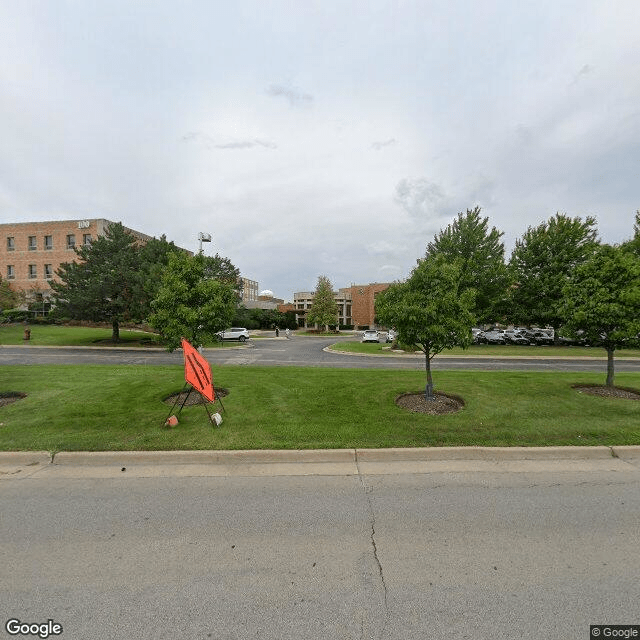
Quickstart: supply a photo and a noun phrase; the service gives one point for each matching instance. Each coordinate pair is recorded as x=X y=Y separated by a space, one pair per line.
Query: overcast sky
x=320 y=137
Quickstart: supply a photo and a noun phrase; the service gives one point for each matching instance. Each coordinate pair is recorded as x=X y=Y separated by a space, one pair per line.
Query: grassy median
x=67 y=336
x=493 y=350
x=96 y=407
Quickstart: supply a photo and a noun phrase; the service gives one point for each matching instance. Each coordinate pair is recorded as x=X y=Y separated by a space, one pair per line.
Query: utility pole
x=203 y=237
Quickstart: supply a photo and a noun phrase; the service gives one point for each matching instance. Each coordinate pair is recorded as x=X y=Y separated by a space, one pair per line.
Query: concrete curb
x=98 y=458
x=484 y=453
x=626 y=451
x=24 y=458
x=355 y=456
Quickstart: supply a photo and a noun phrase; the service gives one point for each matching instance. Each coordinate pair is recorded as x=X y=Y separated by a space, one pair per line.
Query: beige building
x=249 y=290
x=356 y=304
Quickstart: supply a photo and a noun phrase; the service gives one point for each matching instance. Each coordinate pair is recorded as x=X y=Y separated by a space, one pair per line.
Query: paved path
x=299 y=351
x=515 y=548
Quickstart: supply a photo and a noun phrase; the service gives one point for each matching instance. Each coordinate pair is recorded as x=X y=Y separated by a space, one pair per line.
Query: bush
x=15 y=315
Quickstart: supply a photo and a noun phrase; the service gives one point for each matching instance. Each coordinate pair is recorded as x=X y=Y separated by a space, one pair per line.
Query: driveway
x=297 y=351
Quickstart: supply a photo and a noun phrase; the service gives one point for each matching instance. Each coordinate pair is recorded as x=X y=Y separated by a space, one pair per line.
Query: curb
x=297 y=456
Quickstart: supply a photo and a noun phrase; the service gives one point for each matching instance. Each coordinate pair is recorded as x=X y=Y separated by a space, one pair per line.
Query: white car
x=370 y=336
x=235 y=333
x=391 y=335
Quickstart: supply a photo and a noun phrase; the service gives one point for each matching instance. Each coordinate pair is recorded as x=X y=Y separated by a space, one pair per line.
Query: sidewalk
x=328 y=462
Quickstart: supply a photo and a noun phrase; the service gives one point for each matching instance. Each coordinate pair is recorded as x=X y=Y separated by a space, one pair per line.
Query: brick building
x=356 y=304
x=363 y=301
x=31 y=252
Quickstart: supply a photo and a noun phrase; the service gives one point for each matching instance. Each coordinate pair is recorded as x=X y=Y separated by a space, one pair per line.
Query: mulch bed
x=440 y=405
x=7 y=397
x=608 y=392
x=194 y=397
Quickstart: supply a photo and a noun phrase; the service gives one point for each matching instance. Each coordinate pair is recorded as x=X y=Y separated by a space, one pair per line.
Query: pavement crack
x=368 y=490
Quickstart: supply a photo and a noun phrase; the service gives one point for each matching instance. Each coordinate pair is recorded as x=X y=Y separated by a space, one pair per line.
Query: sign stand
x=213 y=421
x=197 y=373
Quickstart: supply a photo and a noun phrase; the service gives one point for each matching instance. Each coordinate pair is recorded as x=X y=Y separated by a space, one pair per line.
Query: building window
x=33 y=271
x=48 y=272
x=11 y=244
x=71 y=241
x=33 y=243
x=48 y=243
x=86 y=238
x=11 y=273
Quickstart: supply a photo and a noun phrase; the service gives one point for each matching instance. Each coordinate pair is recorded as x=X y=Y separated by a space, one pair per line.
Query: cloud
x=293 y=96
x=385 y=143
x=420 y=198
x=208 y=142
x=380 y=247
x=584 y=71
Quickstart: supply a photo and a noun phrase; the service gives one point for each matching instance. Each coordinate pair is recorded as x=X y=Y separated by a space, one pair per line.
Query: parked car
x=515 y=336
x=539 y=336
x=491 y=337
x=370 y=336
x=391 y=335
x=234 y=333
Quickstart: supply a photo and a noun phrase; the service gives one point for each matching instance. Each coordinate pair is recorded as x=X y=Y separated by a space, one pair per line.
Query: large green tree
x=190 y=304
x=480 y=253
x=633 y=245
x=9 y=299
x=324 y=309
x=541 y=264
x=602 y=301
x=154 y=258
x=105 y=284
x=430 y=310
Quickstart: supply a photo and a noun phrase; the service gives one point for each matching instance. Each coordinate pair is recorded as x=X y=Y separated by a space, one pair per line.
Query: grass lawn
x=96 y=408
x=51 y=335
x=496 y=350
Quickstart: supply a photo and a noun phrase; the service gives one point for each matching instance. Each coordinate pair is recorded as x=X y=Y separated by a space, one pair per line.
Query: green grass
x=497 y=350
x=67 y=336
x=96 y=408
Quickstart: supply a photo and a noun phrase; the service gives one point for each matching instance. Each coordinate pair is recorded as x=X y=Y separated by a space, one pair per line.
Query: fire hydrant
x=27 y=334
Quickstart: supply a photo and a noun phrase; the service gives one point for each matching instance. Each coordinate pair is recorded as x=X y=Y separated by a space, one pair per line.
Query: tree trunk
x=610 y=367
x=428 y=391
x=115 y=331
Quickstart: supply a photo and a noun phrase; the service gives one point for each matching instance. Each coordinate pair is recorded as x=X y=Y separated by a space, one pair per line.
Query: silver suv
x=235 y=333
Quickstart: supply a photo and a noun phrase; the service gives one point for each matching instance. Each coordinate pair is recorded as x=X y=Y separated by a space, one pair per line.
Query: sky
x=320 y=137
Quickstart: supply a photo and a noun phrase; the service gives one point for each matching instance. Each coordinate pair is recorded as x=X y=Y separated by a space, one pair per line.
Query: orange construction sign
x=197 y=371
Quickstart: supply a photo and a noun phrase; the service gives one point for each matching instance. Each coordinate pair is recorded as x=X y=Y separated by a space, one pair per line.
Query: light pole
x=203 y=237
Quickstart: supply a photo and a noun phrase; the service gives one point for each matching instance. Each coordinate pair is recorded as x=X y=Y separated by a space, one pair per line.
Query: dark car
x=539 y=336
x=491 y=337
x=515 y=336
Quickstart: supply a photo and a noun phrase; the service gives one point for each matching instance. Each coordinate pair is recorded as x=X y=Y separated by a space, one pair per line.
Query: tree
x=481 y=256
x=429 y=310
x=106 y=284
x=324 y=309
x=154 y=258
x=9 y=298
x=541 y=264
x=633 y=245
x=602 y=300
x=190 y=304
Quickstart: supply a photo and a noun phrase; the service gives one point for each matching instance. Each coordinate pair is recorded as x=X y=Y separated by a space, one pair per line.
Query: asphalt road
x=394 y=557
x=300 y=351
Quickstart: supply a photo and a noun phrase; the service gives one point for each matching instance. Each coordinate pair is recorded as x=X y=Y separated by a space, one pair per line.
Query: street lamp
x=203 y=237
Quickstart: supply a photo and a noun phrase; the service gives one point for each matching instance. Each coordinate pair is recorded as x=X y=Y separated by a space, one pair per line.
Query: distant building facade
x=31 y=252
x=249 y=290
x=356 y=304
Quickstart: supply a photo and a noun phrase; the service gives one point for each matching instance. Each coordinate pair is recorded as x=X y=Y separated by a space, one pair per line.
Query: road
x=300 y=351
x=478 y=555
